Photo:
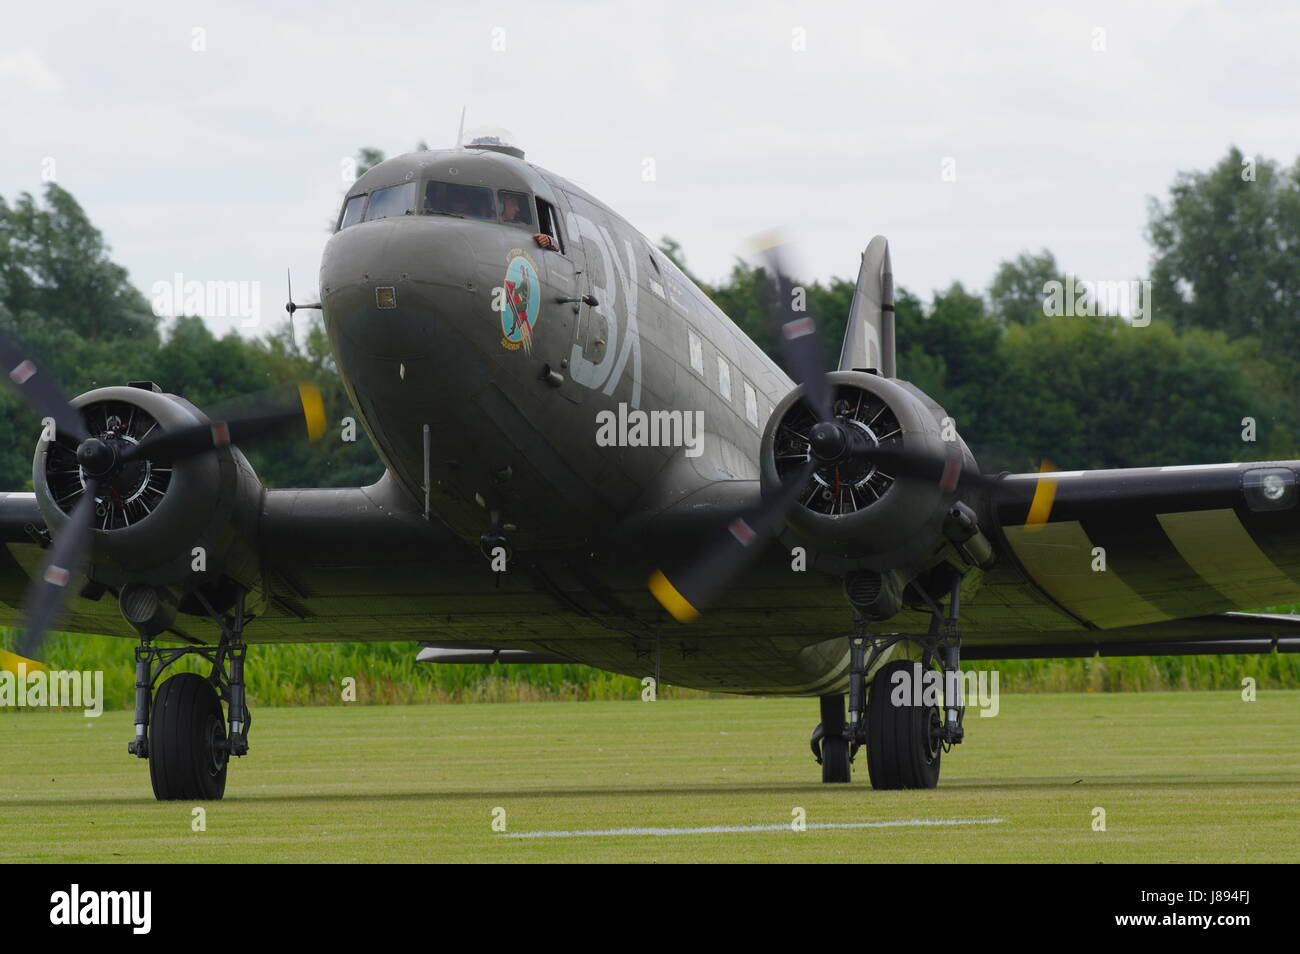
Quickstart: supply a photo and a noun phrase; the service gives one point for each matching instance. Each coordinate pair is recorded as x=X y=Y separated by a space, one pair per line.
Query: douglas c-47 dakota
x=587 y=461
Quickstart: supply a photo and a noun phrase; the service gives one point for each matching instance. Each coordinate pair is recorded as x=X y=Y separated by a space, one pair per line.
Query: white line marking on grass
x=735 y=829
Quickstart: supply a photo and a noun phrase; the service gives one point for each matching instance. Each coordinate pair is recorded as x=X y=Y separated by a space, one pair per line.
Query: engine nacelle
x=182 y=525
x=858 y=516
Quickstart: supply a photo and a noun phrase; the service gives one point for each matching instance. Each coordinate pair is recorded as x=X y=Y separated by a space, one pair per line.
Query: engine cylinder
x=856 y=514
x=156 y=522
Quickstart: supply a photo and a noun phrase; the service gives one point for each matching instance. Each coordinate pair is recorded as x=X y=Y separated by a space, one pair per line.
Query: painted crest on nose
x=523 y=298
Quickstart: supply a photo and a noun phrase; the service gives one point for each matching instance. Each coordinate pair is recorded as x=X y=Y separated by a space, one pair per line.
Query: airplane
x=587 y=461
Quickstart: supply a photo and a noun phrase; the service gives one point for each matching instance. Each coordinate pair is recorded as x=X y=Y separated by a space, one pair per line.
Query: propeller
x=684 y=591
x=254 y=418
x=695 y=585
x=797 y=331
x=102 y=457
x=698 y=584
x=41 y=392
x=49 y=593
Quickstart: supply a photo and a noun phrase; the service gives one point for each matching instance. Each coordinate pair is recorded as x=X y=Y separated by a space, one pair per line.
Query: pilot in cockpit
x=513 y=209
x=458 y=203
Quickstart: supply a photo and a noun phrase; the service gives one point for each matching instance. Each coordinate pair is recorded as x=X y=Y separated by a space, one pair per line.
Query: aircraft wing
x=1201 y=635
x=1110 y=559
x=337 y=564
x=1123 y=548
x=23 y=540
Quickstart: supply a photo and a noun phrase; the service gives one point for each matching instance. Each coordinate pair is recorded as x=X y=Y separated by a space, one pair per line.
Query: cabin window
x=697 y=352
x=462 y=201
x=352 y=211
x=396 y=200
x=751 y=404
x=515 y=208
x=548 y=223
x=724 y=378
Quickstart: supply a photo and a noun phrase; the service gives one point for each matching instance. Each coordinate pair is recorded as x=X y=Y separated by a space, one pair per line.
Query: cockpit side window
x=515 y=208
x=352 y=211
x=549 y=223
x=450 y=198
x=396 y=200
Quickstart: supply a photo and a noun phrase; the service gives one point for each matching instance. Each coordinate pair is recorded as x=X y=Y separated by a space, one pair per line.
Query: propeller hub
x=827 y=441
x=96 y=457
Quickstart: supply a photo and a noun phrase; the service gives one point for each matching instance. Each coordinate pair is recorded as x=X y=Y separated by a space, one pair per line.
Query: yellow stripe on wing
x=1040 y=509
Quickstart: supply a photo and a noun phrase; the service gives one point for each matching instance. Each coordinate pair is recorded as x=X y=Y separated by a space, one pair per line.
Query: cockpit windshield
x=397 y=200
x=449 y=198
x=442 y=198
x=352 y=211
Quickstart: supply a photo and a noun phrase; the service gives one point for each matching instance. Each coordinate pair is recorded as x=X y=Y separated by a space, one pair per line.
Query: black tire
x=836 y=766
x=187 y=734
x=902 y=751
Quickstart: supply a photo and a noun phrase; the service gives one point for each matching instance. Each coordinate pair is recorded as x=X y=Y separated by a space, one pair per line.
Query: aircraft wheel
x=835 y=760
x=836 y=766
x=187 y=740
x=903 y=746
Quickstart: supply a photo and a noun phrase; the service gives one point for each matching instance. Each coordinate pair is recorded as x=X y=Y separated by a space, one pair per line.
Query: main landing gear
x=180 y=728
x=903 y=720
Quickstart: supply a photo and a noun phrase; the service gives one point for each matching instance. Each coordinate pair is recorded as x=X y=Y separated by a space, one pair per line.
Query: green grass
x=387 y=673
x=1182 y=776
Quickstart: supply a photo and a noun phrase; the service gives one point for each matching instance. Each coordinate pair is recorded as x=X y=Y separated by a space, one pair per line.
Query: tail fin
x=869 y=333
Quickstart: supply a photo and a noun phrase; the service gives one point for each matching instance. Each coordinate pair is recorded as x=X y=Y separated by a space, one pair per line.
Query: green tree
x=1226 y=249
x=367 y=158
x=85 y=325
x=1097 y=392
x=55 y=273
x=1016 y=293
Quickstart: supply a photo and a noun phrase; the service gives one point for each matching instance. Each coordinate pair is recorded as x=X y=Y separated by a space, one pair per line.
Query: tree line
x=1212 y=377
x=1209 y=375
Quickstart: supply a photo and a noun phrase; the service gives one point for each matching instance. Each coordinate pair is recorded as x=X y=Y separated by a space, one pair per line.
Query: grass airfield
x=1183 y=777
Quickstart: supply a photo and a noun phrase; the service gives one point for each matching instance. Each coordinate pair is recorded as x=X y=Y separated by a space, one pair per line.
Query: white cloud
x=23 y=71
x=225 y=163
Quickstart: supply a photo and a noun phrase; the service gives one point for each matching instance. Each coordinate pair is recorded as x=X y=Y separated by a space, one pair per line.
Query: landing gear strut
x=898 y=717
x=180 y=728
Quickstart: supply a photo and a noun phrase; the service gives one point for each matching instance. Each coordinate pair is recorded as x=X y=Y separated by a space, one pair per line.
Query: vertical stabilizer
x=869 y=333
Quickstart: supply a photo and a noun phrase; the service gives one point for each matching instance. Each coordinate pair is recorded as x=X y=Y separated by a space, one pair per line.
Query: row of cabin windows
x=696 y=349
x=456 y=200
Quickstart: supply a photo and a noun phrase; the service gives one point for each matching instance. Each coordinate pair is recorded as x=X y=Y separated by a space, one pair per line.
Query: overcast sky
x=830 y=120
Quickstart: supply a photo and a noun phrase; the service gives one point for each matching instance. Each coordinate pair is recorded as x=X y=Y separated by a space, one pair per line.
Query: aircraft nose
x=395 y=288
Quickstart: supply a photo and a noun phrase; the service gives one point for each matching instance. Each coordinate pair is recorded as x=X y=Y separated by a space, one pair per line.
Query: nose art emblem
x=520 y=301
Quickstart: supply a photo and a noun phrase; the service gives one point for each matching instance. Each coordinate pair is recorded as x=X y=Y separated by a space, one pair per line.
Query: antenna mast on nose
x=291 y=307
